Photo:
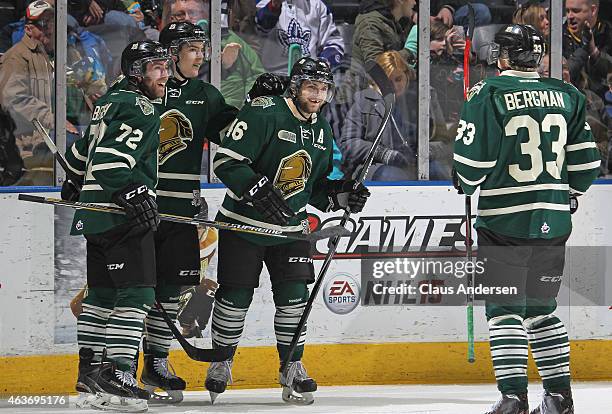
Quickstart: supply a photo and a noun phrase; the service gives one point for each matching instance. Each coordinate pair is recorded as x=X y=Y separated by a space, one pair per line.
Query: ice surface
x=591 y=398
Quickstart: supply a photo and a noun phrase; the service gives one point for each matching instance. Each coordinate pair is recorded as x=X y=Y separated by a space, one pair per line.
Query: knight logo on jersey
x=341 y=293
x=145 y=105
x=293 y=172
x=174 y=133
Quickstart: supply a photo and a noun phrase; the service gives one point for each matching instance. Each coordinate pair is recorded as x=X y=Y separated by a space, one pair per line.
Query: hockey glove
x=347 y=193
x=268 y=201
x=267 y=84
x=390 y=157
x=140 y=207
x=456 y=184
x=71 y=189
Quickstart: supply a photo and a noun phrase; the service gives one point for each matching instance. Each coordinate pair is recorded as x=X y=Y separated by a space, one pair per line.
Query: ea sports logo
x=341 y=293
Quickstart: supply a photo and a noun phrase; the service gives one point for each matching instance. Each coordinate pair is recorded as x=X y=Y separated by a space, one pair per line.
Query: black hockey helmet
x=316 y=70
x=522 y=45
x=136 y=55
x=175 y=34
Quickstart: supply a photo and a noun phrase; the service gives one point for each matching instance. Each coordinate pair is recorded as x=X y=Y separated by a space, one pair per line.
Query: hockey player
x=118 y=162
x=191 y=110
x=274 y=160
x=524 y=141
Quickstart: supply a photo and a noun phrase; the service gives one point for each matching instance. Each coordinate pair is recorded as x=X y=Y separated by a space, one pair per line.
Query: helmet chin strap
x=308 y=117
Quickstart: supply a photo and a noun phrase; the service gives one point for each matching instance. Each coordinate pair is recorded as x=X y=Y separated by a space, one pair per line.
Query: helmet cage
x=139 y=67
x=175 y=45
x=296 y=83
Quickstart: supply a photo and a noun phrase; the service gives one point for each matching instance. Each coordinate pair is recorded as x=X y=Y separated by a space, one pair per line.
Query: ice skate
x=219 y=375
x=511 y=404
x=118 y=391
x=86 y=385
x=556 y=403
x=297 y=386
x=156 y=374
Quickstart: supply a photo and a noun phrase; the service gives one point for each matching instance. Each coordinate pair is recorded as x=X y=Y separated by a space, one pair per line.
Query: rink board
x=42 y=270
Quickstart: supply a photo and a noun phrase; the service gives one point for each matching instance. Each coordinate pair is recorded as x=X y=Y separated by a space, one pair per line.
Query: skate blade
x=213 y=396
x=292 y=397
x=108 y=402
x=165 y=396
x=84 y=400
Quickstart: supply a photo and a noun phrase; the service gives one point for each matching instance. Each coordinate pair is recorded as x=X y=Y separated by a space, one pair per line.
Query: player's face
x=312 y=95
x=400 y=81
x=577 y=11
x=156 y=76
x=191 y=57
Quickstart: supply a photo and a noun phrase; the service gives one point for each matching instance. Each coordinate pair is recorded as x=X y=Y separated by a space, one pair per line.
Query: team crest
x=263 y=101
x=545 y=228
x=174 y=133
x=145 y=105
x=475 y=90
x=293 y=172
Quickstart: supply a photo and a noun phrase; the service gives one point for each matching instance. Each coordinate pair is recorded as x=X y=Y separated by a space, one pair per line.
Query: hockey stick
x=193 y=352
x=468 y=200
x=332 y=231
x=386 y=88
x=244 y=228
x=58 y=155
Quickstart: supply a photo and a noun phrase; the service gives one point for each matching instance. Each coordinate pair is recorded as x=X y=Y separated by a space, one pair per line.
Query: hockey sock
x=157 y=333
x=125 y=324
x=290 y=298
x=91 y=323
x=229 y=313
x=509 y=352
x=551 y=351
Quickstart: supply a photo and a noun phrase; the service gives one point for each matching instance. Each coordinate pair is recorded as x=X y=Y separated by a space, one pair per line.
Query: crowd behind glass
x=258 y=35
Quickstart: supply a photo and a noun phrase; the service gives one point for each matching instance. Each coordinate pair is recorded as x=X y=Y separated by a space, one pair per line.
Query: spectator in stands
x=535 y=13
x=26 y=82
x=194 y=11
x=587 y=43
x=96 y=12
x=443 y=40
x=240 y=65
x=455 y=12
x=381 y=25
x=395 y=158
x=306 y=23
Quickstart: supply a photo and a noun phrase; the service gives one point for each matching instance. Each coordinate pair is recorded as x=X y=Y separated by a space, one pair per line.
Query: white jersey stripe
x=77 y=155
x=472 y=163
x=109 y=166
x=523 y=207
x=113 y=151
x=582 y=167
x=524 y=189
x=177 y=176
x=581 y=146
x=469 y=182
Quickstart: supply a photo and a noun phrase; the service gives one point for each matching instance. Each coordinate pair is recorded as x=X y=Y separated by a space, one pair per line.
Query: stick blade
x=327 y=232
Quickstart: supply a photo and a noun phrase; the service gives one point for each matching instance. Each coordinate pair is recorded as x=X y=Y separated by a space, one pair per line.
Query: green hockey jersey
x=119 y=148
x=296 y=156
x=524 y=141
x=190 y=111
